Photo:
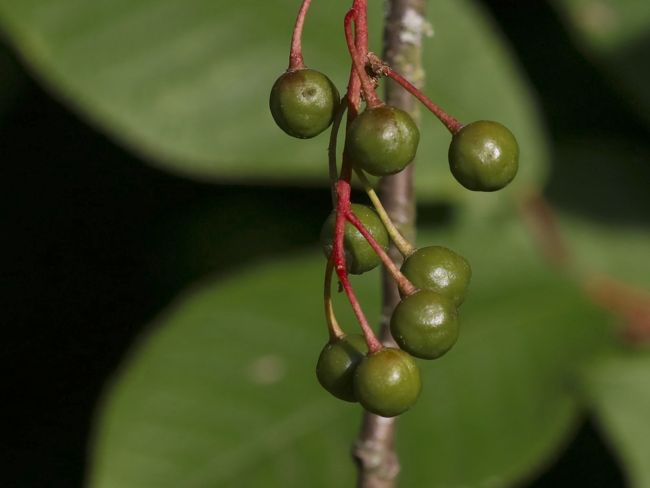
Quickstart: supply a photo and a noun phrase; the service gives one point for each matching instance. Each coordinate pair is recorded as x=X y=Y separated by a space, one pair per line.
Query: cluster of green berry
x=383 y=140
x=424 y=324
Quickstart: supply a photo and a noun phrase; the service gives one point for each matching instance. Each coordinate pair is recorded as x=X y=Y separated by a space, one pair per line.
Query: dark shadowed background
x=98 y=241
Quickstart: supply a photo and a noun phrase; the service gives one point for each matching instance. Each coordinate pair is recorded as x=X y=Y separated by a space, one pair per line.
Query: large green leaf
x=603 y=178
x=617 y=32
x=187 y=83
x=222 y=391
x=618 y=251
x=608 y=24
x=619 y=388
x=600 y=188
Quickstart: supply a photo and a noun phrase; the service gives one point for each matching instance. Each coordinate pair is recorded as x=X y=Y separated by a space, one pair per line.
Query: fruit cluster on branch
x=381 y=140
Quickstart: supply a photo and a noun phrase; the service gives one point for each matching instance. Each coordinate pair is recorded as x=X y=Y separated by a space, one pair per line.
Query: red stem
x=354 y=96
x=361 y=38
x=343 y=185
x=296 y=60
x=354 y=104
x=338 y=257
x=405 y=286
x=358 y=63
x=448 y=121
x=361 y=25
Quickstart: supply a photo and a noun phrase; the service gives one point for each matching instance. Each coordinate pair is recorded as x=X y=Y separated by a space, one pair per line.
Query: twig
x=374 y=450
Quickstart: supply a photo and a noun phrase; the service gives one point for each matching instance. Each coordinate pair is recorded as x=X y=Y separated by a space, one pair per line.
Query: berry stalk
x=447 y=120
x=338 y=257
x=405 y=286
x=403 y=245
x=331 y=149
x=296 y=60
x=342 y=186
x=361 y=42
x=333 y=326
x=358 y=64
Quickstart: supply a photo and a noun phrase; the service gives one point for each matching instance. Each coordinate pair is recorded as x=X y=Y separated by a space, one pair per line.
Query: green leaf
x=600 y=188
x=617 y=32
x=604 y=178
x=608 y=24
x=615 y=250
x=222 y=391
x=619 y=390
x=187 y=83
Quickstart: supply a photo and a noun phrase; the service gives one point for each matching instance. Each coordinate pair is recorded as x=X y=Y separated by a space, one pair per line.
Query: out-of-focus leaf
x=603 y=179
x=608 y=24
x=618 y=32
x=618 y=251
x=223 y=393
x=187 y=83
x=619 y=389
x=600 y=188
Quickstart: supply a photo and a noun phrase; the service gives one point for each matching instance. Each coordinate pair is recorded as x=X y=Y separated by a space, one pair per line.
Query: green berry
x=382 y=140
x=439 y=269
x=303 y=102
x=484 y=156
x=336 y=365
x=425 y=324
x=359 y=256
x=387 y=382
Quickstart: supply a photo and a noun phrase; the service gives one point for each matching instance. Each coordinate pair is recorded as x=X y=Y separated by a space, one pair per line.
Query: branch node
x=375 y=460
x=375 y=66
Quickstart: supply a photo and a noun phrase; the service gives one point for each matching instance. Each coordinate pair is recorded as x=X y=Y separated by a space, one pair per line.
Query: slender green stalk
x=405 y=247
x=333 y=326
x=331 y=150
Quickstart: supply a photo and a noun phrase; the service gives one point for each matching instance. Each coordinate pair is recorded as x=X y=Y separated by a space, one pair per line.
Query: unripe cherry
x=359 y=255
x=382 y=140
x=303 y=102
x=484 y=156
x=439 y=269
x=387 y=382
x=425 y=324
x=337 y=363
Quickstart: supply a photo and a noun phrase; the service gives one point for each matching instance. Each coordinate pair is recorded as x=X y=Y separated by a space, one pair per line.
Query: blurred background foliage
x=140 y=164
